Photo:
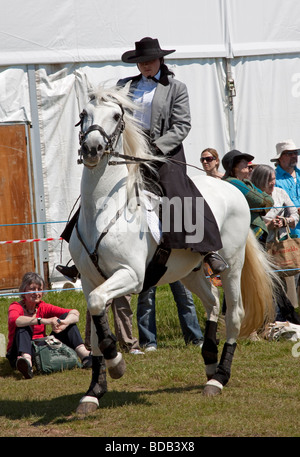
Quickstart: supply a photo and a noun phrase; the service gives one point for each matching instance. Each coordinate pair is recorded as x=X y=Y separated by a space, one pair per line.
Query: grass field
x=160 y=394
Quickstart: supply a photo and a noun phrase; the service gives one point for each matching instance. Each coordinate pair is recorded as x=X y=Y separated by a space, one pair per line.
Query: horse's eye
x=83 y=114
x=117 y=116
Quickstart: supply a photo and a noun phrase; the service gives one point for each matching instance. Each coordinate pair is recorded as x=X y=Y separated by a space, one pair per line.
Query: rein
x=94 y=255
x=111 y=141
x=132 y=159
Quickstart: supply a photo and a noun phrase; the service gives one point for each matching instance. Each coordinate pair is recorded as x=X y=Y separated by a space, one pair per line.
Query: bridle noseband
x=110 y=140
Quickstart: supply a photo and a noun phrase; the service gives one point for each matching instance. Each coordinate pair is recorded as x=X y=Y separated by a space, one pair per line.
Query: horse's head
x=102 y=122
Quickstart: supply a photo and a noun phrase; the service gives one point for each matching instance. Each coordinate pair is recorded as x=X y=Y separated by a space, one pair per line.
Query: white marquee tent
x=247 y=49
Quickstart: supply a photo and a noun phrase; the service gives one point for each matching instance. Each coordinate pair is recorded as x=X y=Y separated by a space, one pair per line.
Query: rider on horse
x=163 y=113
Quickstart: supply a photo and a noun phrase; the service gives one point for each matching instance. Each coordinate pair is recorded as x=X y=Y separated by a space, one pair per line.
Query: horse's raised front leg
x=122 y=282
x=107 y=343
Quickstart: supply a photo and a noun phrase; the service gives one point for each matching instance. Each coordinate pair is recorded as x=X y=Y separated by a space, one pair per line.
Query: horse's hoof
x=88 y=404
x=116 y=367
x=86 y=408
x=211 y=390
x=117 y=371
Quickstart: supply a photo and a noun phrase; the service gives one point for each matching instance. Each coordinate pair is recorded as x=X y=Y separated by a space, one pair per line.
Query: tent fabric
x=72 y=31
x=81 y=43
x=263 y=27
x=267 y=103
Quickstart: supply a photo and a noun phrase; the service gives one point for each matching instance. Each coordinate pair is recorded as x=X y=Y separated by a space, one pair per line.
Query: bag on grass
x=52 y=355
x=285 y=253
x=286 y=330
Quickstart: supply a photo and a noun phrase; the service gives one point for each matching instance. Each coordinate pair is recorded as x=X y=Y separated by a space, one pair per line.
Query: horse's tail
x=258 y=284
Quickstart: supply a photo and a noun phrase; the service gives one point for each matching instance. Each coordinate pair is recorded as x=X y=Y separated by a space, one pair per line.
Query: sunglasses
x=207 y=159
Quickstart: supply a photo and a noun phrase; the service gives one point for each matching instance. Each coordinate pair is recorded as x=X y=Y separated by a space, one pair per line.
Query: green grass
x=160 y=394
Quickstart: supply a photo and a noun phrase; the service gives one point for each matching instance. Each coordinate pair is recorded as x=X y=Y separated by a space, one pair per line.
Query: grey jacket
x=170 y=117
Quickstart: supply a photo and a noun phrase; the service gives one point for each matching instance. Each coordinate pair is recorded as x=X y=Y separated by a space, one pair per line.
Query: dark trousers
x=175 y=183
x=23 y=340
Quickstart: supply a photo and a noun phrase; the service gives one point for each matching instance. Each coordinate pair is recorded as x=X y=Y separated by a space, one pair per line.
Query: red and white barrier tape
x=30 y=241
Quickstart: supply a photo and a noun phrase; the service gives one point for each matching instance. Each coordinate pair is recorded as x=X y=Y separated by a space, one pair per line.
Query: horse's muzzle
x=90 y=156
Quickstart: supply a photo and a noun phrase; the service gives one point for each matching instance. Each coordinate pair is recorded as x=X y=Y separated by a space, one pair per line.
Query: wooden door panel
x=15 y=206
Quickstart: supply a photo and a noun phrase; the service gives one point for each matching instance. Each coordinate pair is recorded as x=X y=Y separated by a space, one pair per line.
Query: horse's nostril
x=93 y=151
x=84 y=148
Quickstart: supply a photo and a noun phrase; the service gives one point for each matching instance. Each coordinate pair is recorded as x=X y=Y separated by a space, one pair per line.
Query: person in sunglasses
x=210 y=162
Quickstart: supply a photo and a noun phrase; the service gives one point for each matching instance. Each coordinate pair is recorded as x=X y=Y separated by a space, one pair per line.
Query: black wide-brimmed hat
x=229 y=160
x=145 y=49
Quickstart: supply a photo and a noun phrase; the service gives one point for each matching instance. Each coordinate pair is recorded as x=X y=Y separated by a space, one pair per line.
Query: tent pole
x=37 y=171
x=231 y=93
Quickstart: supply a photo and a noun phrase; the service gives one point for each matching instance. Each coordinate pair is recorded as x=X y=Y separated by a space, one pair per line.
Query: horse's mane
x=135 y=142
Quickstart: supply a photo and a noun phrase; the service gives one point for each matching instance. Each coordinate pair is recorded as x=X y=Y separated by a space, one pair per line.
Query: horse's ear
x=125 y=89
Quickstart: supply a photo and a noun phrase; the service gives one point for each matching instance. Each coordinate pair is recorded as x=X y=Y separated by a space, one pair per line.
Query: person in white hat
x=288 y=174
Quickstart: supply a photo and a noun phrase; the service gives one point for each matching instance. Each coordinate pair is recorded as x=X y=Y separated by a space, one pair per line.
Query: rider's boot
x=71 y=273
x=216 y=263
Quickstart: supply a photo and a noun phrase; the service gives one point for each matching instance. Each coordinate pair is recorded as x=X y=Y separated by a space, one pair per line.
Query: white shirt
x=281 y=199
x=143 y=96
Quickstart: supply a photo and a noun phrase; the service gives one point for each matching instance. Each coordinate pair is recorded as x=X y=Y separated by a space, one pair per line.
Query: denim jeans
x=186 y=312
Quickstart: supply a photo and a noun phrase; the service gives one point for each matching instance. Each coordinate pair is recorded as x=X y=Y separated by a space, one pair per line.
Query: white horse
x=112 y=246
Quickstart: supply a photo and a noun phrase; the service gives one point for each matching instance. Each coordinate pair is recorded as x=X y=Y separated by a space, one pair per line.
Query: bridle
x=110 y=140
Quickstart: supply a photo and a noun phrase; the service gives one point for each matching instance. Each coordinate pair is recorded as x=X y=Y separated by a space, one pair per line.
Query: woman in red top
x=27 y=320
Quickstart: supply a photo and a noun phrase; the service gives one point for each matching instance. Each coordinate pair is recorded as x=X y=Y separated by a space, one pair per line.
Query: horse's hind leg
x=98 y=387
x=233 y=319
x=201 y=286
x=210 y=348
x=221 y=377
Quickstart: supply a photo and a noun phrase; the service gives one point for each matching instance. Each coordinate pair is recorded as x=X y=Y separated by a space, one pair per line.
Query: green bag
x=52 y=355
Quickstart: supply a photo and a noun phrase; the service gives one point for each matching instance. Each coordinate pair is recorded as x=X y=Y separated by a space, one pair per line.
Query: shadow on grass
x=62 y=409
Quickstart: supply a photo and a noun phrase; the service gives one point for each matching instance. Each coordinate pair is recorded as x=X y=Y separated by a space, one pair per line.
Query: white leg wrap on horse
x=89 y=399
x=111 y=363
x=213 y=382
